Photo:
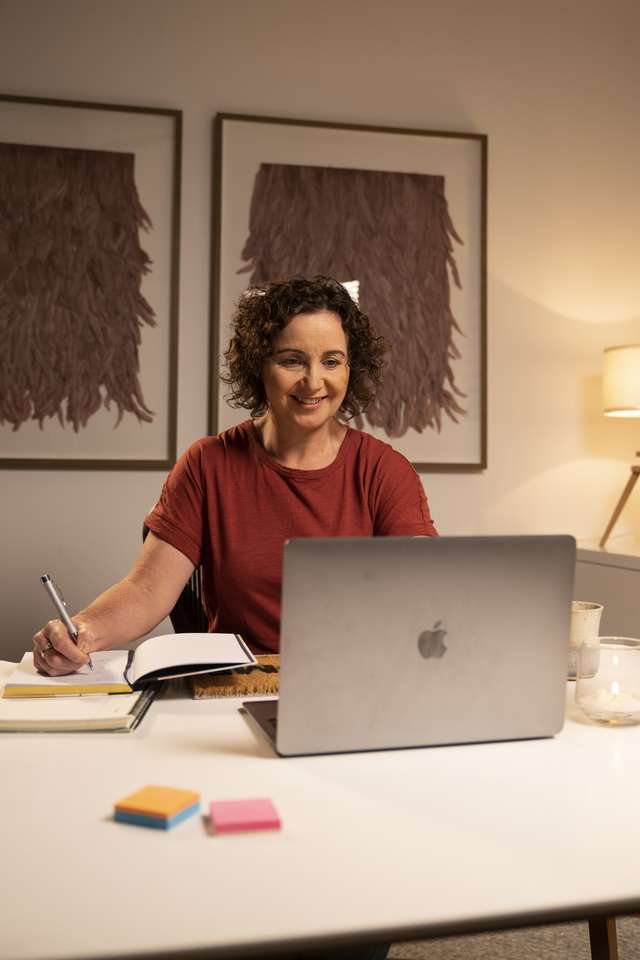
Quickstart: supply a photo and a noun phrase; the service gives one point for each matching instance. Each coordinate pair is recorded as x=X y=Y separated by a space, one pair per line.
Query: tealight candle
x=612 y=694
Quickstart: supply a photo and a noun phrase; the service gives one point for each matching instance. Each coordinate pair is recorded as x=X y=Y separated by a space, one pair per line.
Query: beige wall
x=556 y=87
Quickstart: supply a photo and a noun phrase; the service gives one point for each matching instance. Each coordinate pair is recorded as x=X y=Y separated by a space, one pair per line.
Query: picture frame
x=97 y=370
x=248 y=148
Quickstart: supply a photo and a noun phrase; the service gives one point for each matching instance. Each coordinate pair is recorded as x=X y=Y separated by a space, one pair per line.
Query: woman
x=302 y=359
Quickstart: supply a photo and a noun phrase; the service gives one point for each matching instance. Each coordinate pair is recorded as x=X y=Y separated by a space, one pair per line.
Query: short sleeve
x=178 y=516
x=399 y=503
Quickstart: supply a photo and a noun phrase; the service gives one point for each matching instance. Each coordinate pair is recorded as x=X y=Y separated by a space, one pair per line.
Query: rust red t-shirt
x=229 y=506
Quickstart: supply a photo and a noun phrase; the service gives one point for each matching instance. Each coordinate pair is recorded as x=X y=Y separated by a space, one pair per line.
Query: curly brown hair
x=263 y=311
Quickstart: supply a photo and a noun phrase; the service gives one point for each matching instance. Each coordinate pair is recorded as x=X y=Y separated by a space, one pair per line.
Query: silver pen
x=59 y=604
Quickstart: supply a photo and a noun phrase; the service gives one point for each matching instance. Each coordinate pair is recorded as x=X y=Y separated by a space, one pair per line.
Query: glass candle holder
x=610 y=694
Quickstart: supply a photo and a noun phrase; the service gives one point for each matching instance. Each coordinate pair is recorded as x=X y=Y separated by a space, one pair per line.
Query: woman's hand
x=124 y=612
x=55 y=653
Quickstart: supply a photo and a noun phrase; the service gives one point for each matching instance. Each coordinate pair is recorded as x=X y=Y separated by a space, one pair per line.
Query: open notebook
x=122 y=671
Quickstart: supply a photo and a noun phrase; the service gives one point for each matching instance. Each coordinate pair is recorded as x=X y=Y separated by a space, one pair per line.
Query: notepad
x=234 y=816
x=75 y=714
x=158 y=807
x=72 y=714
x=122 y=671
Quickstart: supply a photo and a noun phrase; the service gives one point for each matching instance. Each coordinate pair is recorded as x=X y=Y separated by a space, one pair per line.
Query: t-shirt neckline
x=294 y=472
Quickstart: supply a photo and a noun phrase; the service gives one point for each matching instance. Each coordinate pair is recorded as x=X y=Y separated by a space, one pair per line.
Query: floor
x=565 y=941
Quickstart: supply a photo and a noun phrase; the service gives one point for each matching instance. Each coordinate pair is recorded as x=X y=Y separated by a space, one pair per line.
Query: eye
x=291 y=363
x=332 y=363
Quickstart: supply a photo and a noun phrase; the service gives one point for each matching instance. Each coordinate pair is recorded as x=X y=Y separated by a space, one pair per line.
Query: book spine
x=128 y=668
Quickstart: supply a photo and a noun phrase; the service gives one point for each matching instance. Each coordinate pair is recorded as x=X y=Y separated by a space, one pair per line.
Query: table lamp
x=621 y=398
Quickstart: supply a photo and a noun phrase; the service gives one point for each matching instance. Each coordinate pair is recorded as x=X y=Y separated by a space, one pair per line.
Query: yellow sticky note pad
x=154 y=801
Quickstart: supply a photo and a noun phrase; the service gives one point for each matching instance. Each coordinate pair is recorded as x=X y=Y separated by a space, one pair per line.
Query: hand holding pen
x=57 y=599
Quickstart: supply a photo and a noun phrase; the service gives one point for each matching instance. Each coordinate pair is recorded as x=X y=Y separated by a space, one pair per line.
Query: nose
x=313 y=376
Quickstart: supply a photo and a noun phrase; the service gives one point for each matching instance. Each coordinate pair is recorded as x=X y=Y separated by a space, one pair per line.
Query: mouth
x=308 y=401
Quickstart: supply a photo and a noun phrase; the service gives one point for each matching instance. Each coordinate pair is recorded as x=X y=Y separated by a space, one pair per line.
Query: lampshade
x=621 y=381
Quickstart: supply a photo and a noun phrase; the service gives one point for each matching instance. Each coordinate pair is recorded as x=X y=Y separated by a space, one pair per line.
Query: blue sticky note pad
x=158 y=823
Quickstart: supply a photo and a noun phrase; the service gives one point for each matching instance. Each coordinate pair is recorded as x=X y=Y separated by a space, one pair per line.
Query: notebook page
x=185 y=649
x=6 y=669
x=108 y=667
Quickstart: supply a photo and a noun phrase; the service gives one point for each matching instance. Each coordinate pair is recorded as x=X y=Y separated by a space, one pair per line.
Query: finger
x=40 y=662
x=57 y=665
x=85 y=639
x=38 y=640
x=41 y=645
x=57 y=635
x=52 y=664
x=53 y=632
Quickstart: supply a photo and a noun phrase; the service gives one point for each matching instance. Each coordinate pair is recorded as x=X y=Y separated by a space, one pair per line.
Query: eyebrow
x=303 y=354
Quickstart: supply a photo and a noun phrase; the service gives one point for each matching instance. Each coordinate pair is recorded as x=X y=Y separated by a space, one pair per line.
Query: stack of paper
x=158 y=807
x=69 y=714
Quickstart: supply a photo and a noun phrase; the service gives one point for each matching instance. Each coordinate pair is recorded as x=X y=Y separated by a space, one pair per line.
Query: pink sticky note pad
x=236 y=815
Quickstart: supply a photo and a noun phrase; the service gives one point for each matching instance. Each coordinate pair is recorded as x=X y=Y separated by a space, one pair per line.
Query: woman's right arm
x=124 y=612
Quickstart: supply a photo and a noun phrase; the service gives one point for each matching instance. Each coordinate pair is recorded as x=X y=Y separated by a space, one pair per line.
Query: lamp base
x=624 y=496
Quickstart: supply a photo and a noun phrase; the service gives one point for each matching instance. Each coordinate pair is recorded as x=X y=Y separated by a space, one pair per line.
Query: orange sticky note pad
x=154 y=801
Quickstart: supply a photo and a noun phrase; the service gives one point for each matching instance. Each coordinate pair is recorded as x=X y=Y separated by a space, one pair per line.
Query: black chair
x=189 y=614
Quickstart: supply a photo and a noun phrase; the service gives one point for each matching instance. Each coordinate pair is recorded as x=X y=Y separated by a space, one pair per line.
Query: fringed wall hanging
x=403 y=212
x=393 y=233
x=89 y=219
x=71 y=268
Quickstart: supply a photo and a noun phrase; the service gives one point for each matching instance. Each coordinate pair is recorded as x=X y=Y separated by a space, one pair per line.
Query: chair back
x=189 y=614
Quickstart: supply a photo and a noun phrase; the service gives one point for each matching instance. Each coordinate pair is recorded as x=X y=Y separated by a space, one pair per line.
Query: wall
x=555 y=86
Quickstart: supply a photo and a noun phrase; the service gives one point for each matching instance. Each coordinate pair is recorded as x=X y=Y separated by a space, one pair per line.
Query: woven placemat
x=244 y=682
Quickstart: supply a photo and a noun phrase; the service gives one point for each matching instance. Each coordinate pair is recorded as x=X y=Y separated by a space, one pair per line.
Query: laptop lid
x=391 y=642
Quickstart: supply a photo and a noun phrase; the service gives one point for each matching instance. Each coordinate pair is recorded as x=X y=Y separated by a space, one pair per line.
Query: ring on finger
x=47 y=647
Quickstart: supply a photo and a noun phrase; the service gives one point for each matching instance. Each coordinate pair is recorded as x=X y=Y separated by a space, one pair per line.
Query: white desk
x=387 y=846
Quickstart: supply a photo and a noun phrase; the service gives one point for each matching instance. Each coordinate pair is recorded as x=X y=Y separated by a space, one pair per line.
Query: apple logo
x=431 y=642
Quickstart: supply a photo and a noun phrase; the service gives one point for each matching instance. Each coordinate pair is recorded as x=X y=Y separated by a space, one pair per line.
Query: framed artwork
x=89 y=261
x=400 y=212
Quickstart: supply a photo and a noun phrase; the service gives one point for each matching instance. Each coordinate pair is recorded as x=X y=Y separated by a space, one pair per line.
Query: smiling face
x=307 y=375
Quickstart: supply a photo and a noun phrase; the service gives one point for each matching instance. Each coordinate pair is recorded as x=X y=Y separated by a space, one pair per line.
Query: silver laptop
x=391 y=642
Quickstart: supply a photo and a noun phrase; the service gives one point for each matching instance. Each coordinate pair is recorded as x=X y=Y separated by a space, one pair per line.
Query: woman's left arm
x=399 y=503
